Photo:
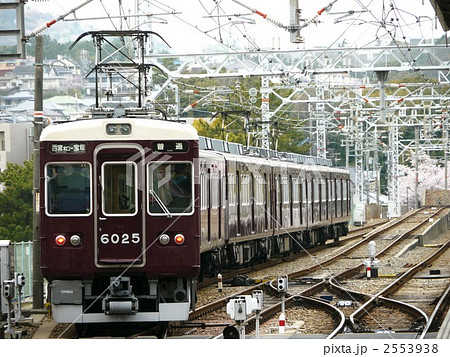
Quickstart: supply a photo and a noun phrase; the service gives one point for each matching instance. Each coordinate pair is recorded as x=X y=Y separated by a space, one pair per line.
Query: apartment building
x=16 y=143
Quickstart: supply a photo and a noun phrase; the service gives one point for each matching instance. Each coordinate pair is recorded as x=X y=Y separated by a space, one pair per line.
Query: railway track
x=311 y=283
x=355 y=233
x=391 y=235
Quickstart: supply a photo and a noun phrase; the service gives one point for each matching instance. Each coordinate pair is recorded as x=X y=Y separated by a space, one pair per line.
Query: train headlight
x=164 y=239
x=118 y=129
x=60 y=240
x=125 y=129
x=179 y=239
x=75 y=240
x=111 y=129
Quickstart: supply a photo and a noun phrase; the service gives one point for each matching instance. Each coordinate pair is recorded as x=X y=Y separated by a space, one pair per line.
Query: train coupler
x=120 y=299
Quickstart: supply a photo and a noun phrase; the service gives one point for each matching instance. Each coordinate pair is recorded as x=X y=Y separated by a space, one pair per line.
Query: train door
x=335 y=198
x=280 y=199
x=320 y=191
x=275 y=201
x=313 y=211
x=219 y=207
x=238 y=202
x=306 y=200
x=266 y=218
x=327 y=199
x=208 y=202
x=301 y=200
x=252 y=201
x=119 y=197
x=291 y=201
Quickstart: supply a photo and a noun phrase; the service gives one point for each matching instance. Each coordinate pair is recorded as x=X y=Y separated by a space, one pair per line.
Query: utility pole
x=445 y=137
x=38 y=282
x=265 y=113
x=416 y=183
x=321 y=130
x=382 y=77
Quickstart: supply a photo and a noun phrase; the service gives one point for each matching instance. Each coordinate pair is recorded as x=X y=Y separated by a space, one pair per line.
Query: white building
x=15 y=143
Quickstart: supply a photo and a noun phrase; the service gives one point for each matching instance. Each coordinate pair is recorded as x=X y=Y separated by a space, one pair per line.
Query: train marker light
x=60 y=240
x=75 y=240
x=164 y=239
x=179 y=239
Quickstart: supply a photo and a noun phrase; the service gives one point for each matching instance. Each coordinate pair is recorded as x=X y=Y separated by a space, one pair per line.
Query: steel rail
x=396 y=285
x=436 y=314
x=275 y=261
x=319 y=286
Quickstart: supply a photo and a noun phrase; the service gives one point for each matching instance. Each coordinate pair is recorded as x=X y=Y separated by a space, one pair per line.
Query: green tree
x=16 y=202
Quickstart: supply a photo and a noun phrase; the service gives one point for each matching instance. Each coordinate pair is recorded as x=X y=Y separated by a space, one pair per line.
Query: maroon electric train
x=134 y=209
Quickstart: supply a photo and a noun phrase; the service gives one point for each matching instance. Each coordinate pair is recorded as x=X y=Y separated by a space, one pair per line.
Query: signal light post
x=19 y=280
x=8 y=287
x=282 y=286
x=239 y=308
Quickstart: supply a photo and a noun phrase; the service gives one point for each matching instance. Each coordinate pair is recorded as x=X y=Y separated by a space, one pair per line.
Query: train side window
x=119 y=188
x=68 y=188
x=203 y=191
x=231 y=189
x=214 y=184
x=171 y=188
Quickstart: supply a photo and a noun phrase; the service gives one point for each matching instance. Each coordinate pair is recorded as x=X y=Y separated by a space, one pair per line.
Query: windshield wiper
x=161 y=203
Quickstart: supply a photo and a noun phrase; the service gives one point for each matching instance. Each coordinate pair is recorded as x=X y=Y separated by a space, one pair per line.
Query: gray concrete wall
x=436 y=229
x=373 y=211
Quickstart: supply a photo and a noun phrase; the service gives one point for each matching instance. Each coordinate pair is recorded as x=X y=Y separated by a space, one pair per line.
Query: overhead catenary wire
x=242 y=29
x=40 y=30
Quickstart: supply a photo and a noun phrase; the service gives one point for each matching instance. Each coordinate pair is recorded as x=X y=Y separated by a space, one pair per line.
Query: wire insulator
x=48 y=24
x=275 y=22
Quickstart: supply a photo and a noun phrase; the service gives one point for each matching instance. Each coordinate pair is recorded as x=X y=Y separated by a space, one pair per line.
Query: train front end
x=120 y=237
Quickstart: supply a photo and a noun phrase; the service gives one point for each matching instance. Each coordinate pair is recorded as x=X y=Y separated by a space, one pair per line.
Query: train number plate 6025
x=123 y=238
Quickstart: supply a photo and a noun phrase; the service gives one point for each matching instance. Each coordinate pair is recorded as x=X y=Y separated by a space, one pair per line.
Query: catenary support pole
x=38 y=284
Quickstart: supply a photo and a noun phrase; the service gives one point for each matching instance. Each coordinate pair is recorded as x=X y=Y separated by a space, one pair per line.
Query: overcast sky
x=194 y=26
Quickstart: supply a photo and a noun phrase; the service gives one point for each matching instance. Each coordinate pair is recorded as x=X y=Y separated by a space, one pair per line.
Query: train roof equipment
x=239 y=149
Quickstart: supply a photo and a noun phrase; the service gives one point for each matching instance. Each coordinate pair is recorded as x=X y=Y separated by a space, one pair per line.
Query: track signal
x=282 y=284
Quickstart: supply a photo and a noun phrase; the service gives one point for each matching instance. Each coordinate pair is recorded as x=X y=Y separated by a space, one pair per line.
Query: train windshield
x=170 y=188
x=68 y=188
